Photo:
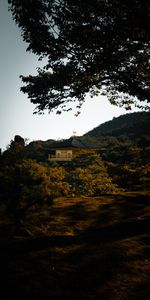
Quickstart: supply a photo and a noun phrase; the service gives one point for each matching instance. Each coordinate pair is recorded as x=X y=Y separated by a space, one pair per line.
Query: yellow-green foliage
x=89 y=176
x=130 y=177
x=27 y=183
x=58 y=186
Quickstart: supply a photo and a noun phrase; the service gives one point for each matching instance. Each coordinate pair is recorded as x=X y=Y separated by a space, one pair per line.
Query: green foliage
x=27 y=183
x=122 y=162
x=36 y=150
x=89 y=176
x=100 y=47
x=130 y=177
x=15 y=150
x=125 y=149
x=19 y=149
x=58 y=184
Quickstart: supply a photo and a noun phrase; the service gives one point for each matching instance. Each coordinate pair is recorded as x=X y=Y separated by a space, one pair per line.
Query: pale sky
x=16 y=111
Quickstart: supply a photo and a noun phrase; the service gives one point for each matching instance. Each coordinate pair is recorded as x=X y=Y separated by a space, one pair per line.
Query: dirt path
x=89 y=248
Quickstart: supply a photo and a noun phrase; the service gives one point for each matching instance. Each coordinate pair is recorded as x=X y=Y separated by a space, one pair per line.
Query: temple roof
x=73 y=142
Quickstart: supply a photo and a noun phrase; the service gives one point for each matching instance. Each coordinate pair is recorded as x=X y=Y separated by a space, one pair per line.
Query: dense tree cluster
x=26 y=183
x=91 y=46
x=28 y=180
x=89 y=176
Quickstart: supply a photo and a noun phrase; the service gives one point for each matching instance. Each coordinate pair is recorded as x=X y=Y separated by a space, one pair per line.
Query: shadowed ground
x=80 y=248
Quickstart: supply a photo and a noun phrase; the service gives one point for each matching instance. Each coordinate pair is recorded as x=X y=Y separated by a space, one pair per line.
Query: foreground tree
x=24 y=184
x=15 y=151
x=95 y=46
x=28 y=184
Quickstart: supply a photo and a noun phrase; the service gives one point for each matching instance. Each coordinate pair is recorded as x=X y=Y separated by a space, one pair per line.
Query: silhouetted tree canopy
x=91 y=46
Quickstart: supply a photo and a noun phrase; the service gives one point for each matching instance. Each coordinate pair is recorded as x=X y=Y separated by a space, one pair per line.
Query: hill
x=131 y=125
x=123 y=132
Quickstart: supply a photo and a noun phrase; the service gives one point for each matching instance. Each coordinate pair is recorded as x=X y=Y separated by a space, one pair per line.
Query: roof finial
x=74 y=133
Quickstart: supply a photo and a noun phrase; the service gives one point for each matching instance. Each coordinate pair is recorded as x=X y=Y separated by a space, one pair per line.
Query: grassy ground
x=80 y=248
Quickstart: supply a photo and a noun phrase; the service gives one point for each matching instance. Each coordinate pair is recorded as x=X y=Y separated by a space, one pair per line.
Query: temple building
x=66 y=150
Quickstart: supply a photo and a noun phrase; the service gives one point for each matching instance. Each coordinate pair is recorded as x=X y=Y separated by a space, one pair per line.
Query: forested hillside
x=126 y=140
x=121 y=161
x=131 y=125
